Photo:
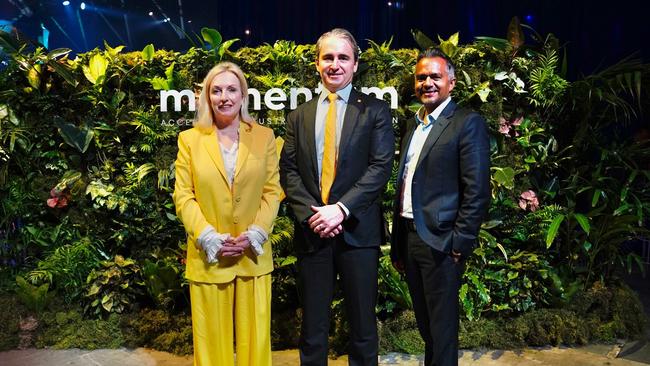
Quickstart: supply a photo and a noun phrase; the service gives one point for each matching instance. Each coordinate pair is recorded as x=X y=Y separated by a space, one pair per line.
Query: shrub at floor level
x=158 y=330
x=600 y=314
x=63 y=330
x=9 y=322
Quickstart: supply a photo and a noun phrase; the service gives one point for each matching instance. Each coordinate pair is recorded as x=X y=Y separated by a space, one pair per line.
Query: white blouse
x=229 y=157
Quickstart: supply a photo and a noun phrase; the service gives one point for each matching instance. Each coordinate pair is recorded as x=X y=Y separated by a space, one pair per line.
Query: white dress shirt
x=413 y=153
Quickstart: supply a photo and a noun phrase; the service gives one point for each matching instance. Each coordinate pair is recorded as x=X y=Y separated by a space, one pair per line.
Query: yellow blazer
x=202 y=195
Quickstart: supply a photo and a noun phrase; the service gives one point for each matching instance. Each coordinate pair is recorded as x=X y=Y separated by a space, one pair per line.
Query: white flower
x=501 y=75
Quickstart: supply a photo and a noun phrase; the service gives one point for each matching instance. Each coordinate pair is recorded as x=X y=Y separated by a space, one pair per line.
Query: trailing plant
x=114 y=288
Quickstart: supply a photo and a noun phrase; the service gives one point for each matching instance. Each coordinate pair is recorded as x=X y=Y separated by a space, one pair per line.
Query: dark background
x=596 y=34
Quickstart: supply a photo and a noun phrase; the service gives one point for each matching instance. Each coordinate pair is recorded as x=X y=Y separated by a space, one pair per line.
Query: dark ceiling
x=595 y=35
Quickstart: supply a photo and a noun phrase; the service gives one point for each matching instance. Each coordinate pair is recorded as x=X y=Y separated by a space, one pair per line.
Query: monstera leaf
x=77 y=137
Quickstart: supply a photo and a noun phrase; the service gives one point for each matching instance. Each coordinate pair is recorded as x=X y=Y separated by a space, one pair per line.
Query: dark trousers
x=434 y=281
x=357 y=269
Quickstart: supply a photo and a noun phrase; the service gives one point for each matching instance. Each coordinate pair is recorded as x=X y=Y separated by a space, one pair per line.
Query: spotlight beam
x=162 y=12
x=111 y=27
x=83 y=32
x=74 y=44
x=180 y=12
x=126 y=25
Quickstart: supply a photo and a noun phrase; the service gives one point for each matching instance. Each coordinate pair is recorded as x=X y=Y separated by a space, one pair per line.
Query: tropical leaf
x=422 y=40
x=225 y=46
x=95 y=71
x=77 y=137
x=148 y=52
x=515 y=33
x=64 y=71
x=583 y=221
x=553 y=229
x=212 y=37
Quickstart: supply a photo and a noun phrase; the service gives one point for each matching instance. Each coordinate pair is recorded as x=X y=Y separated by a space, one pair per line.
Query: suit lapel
x=211 y=144
x=436 y=130
x=309 y=124
x=245 y=141
x=352 y=111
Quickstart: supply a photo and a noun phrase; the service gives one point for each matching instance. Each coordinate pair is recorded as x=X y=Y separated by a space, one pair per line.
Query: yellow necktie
x=328 y=171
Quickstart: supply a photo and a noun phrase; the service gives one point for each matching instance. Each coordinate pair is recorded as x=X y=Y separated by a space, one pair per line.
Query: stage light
x=390 y=3
x=66 y=3
x=189 y=21
x=151 y=13
x=529 y=18
x=247 y=32
x=82 y=6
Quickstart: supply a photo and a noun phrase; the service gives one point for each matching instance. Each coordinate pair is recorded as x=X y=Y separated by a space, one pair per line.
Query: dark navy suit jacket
x=364 y=165
x=451 y=184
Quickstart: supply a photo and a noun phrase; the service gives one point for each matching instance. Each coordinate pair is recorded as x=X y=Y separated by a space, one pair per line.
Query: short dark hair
x=436 y=52
x=339 y=33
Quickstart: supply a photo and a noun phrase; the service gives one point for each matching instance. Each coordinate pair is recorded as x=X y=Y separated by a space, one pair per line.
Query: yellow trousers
x=241 y=308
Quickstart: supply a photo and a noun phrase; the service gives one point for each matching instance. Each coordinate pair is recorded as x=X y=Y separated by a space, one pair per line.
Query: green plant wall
x=86 y=166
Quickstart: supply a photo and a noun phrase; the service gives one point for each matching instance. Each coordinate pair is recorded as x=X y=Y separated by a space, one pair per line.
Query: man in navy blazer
x=443 y=195
x=340 y=234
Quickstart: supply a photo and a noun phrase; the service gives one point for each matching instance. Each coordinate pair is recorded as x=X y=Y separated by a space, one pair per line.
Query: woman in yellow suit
x=227 y=196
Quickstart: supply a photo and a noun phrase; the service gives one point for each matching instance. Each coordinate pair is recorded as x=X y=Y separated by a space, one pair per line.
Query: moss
x=400 y=334
x=63 y=330
x=178 y=342
x=285 y=329
x=10 y=321
x=627 y=311
x=159 y=330
x=554 y=327
x=486 y=333
x=600 y=314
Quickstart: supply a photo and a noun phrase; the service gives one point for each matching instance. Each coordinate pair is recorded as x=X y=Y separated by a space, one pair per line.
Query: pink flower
x=528 y=199
x=504 y=126
x=58 y=198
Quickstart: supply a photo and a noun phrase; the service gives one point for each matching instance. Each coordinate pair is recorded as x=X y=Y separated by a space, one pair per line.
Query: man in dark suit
x=444 y=192
x=336 y=160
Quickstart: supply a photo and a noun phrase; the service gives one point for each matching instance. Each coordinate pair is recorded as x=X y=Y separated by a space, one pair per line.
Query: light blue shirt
x=413 y=153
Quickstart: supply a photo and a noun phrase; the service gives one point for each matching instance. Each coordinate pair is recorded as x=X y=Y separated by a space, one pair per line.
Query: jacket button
x=237 y=199
x=235 y=219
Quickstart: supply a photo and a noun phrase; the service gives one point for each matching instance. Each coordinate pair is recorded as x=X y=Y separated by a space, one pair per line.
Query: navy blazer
x=364 y=165
x=451 y=184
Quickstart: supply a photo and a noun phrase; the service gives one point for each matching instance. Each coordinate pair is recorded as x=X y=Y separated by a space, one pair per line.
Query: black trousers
x=434 y=281
x=357 y=269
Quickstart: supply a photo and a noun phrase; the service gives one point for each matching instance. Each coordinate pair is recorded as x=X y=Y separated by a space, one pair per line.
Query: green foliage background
x=86 y=170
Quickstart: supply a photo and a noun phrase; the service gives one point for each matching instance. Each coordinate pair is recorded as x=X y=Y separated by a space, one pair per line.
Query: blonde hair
x=204 y=117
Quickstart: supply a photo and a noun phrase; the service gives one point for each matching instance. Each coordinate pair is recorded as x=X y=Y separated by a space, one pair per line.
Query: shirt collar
x=431 y=117
x=342 y=93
